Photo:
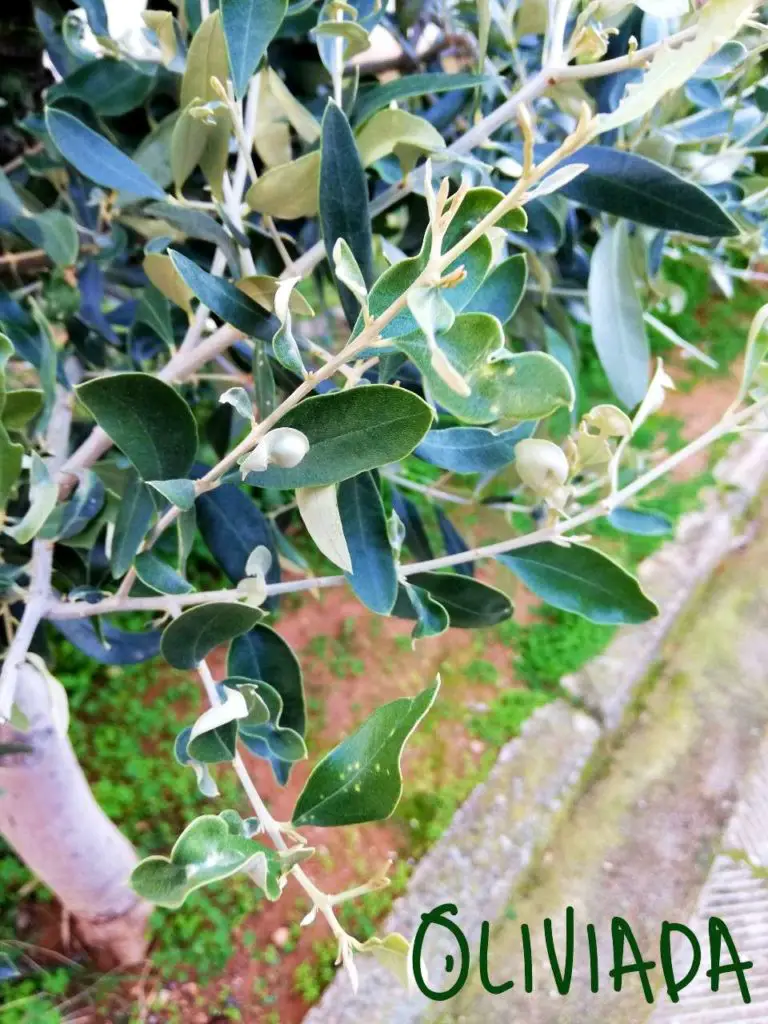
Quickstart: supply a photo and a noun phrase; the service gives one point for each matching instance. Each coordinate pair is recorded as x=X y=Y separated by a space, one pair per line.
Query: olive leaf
x=373 y=575
x=288 y=191
x=164 y=275
x=180 y=493
x=319 y=511
x=350 y=432
x=10 y=452
x=757 y=349
x=284 y=344
x=44 y=493
x=583 y=580
x=262 y=654
x=471 y=449
x=147 y=420
x=344 y=215
x=398 y=132
x=361 y=779
x=209 y=849
x=394 y=953
x=207 y=60
x=195 y=633
x=717 y=21
x=158 y=575
x=249 y=26
x=616 y=313
x=205 y=781
x=96 y=157
x=468 y=603
x=268 y=735
x=226 y=300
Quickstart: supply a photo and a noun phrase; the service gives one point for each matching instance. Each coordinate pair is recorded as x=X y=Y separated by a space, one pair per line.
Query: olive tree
x=251 y=280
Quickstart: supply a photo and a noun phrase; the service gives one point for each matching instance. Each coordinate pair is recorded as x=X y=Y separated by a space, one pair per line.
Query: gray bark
x=50 y=817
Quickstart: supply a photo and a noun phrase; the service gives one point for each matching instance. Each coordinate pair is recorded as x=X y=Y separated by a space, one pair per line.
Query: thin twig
x=184 y=363
x=729 y=424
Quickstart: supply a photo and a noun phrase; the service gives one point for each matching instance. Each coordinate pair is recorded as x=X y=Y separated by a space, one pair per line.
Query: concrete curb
x=487 y=852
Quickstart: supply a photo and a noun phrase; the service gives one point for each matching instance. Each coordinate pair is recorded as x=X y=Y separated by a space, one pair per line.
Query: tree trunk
x=50 y=817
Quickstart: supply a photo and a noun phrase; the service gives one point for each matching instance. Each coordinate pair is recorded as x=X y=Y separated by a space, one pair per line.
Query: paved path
x=641 y=841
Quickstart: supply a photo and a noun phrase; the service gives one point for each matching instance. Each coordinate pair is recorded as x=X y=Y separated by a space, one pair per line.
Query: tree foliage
x=248 y=288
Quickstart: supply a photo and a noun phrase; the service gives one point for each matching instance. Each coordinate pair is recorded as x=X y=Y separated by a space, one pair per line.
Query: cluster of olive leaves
x=177 y=144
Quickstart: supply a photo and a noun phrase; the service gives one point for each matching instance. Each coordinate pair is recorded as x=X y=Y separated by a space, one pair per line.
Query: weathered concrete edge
x=491 y=844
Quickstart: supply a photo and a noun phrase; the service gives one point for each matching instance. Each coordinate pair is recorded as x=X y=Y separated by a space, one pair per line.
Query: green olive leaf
x=350 y=432
x=583 y=580
x=360 y=779
x=148 y=421
x=195 y=633
x=208 y=850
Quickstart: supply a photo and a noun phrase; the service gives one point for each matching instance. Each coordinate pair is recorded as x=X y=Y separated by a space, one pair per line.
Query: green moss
x=555 y=646
x=506 y=715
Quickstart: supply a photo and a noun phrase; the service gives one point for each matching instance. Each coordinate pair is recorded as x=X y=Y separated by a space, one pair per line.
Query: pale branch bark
x=32 y=616
x=50 y=817
x=731 y=423
x=57 y=440
x=48 y=813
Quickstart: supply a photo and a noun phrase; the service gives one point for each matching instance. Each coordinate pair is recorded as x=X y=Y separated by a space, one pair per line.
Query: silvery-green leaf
x=96 y=158
x=414 y=602
x=394 y=953
x=430 y=310
x=319 y=510
x=249 y=27
x=188 y=143
x=240 y=401
x=195 y=633
x=259 y=561
x=158 y=575
x=379 y=96
x=469 y=603
x=583 y=580
x=205 y=781
x=180 y=493
x=149 y=421
x=374 y=573
x=391 y=130
x=262 y=654
x=213 y=738
x=350 y=432
x=10 y=453
x=208 y=850
x=207 y=59
x=53 y=231
x=162 y=272
x=640 y=522
x=472 y=449
x=671 y=67
x=344 y=215
x=360 y=780
x=44 y=494
x=262 y=289
x=134 y=515
x=284 y=344
x=347 y=270
x=557 y=180
x=154 y=310
x=616 y=312
x=757 y=349
x=289 y=190
x=501 y=291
